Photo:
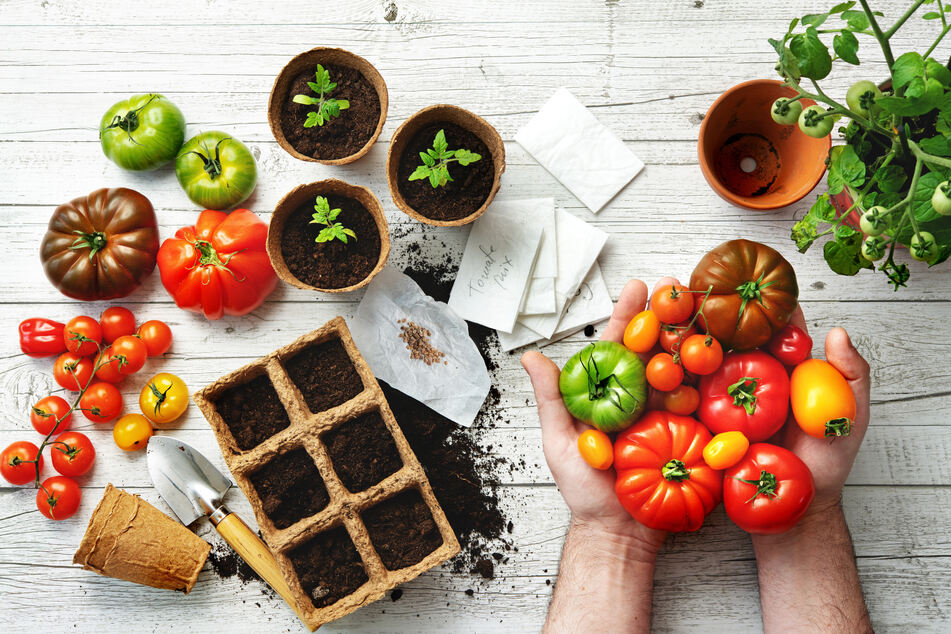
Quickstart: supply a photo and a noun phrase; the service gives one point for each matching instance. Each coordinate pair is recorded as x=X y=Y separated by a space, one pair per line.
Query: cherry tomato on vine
x=725 y=449
x=814 y=123
x=132 y=432
x=132 y=351
x=671 y=336
x=116 y=321
x=683 y=400
x=596 y=448
x=791 y=345
x=672 y=303
x=58 y=498
x=72 y=454
x=701 y=354
x=157 y=337
x=873 y=248
x=642 y=331
x=861 y=97
x=12 y=466
x=82 y=334
x=873 y=221
x=101 y=402
x=108 y=367
x=785 y=112
x=72 y=371
x=941 y=198
x=47 y=412
x=662 y=373
x=822 y=400
x=923 y=247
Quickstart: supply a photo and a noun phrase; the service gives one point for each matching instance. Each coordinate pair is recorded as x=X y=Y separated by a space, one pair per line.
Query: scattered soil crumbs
x=362 y=451
x=396 y=595
x=325 y=375
x=290 y=488
x=329 y=566
x=252 y=411
x=402 y=530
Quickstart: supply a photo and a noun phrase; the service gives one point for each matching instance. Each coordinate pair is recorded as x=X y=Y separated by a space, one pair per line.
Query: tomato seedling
x=324 y=215
x=436 y=161
x=327 y=107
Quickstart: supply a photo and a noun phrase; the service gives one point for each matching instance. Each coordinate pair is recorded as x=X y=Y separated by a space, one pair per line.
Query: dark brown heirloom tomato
x=754 y=292
x=101 y=246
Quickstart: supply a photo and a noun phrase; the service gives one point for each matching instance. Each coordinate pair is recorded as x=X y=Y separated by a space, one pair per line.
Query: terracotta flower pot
x=308 y=60
x=462 y=118
x=307 y=193
x=751 y=161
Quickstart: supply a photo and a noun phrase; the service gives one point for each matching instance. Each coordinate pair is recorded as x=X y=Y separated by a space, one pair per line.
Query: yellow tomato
x=132 y=432
x=642 y=332
x=596 y=449
x=164 y=398
x=726 y=449
x=822 y=401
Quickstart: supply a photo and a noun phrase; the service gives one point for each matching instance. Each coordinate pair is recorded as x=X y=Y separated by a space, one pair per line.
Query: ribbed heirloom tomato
x=662 y=479
x=604 y=386
x=218 y=267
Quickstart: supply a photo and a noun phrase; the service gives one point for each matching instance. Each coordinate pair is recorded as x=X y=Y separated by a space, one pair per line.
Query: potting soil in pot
x=470 y=184
x=250 y=426
x=362 y=451
x=290 y=488
x=340 y=136
x=329 y=566
x=331 y=264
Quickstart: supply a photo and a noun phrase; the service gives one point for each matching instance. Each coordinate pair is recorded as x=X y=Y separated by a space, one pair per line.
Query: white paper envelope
x=590 y=305
x=540 y=298
x=456 y=384
x=496 y=267
x=578 y=150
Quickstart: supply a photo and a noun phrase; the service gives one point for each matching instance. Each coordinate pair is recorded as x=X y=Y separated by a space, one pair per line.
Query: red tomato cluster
x=93 y=356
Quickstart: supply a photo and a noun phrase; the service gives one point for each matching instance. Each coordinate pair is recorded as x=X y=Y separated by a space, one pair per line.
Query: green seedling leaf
x=436 y=161
x=324 y=215
x=327 y=108
x=421 y=172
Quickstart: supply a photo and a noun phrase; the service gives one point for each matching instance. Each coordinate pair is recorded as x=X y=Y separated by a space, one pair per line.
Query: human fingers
x=841 y=353
x=665 y=281
x=554 y=418
x=632 y=301
x=799 y=319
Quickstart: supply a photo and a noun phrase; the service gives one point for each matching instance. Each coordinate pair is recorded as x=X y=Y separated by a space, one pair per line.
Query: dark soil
x=331 y=264
x=343 y=135
x=362 y=451
x=329 y=567
x=470 y=185
x=252 y=411
x=290 y=488
x=324 y=374
x=402 y=530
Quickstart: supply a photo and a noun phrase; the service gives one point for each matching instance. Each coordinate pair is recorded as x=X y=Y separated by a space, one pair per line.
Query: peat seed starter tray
x=312 y=442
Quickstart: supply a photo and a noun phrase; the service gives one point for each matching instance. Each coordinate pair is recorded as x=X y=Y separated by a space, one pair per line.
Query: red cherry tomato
x=791 y=345
x=132 y=353
x=72 y=371
x=58 y=497
x=672 y=303
x=672 y=336
x=72 y=454
x=662 y=373
x=116 y=321
x=701 y=354
x=50 y=412
x=768 y=490
x=12 y=467
x=682 y=400
x=108 y=367
x=101 y=402
x=157 y=337
x=82 y=334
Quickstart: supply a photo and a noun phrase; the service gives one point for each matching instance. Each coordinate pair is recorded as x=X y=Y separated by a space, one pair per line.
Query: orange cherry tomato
x=662 y=373
x=82 y=334
x=725 y=450
x=701 y=354
x=683 y=400
x=642 y=332
x=672 y=303
x=596 y=448
x=133 y=352
x=72 y=371
x=116 y=321
x=671 y=337
x=108 y=367
x=157 y=337
x=822 y=400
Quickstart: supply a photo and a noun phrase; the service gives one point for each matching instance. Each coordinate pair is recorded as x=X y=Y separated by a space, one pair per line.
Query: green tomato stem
x=675 y=471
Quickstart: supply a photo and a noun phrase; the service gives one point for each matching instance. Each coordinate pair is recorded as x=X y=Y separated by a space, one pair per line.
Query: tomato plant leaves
x=845 y=257
x=812 y=55
x=938 y=145
x=846 y=46
x=847 y=169
x=907 y=67
x=891 y=178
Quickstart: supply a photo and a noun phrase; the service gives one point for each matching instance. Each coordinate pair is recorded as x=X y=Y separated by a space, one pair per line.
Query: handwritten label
x=493 y=273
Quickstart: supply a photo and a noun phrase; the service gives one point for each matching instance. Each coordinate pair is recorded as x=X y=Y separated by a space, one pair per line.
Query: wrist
x=627 y=540
x=821 y=518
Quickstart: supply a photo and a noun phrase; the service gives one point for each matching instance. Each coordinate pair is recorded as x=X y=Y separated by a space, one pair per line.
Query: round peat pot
x=472 y=188
x=750 y=160
x=354 y=76
x=291 y=235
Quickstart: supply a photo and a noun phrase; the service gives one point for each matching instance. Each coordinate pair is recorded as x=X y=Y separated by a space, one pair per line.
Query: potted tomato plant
x=891 y=178
x=444 y=165
x=327 y=105
x=328 y=236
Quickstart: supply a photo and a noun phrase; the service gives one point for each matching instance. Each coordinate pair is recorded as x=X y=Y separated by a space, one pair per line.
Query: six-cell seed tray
x=338 y=494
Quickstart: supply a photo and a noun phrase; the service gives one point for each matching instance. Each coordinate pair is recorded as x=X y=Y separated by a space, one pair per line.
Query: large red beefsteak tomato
x=662 y=479
x=218 y=267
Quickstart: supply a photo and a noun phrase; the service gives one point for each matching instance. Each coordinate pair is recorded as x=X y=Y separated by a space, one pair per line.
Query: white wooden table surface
x=648 y=70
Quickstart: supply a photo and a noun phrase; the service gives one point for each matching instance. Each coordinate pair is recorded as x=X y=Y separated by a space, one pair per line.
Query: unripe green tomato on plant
x=813 y=123
x=216 y=170
x=873 y=221
x=861 y=97
x=923 y=247
x=941 y=200
x=785 y=112
x=873 y=248
x=142 y=132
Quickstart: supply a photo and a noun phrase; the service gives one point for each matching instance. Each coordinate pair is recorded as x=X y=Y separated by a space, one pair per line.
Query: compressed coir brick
x=330 y=398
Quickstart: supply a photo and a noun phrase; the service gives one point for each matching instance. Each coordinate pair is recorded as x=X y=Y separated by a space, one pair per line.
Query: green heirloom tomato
x=813 y=123
x=873 y=248
x=873 y=221
x=923 y=247
x=142 y=132
x=940 y=199
x=861 y=97
x=785 y=112
x=216 y=170
x=604 y=385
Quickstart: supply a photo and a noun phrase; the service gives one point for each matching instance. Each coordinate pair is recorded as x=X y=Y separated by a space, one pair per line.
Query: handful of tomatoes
x=705 y=443
x=92 y=357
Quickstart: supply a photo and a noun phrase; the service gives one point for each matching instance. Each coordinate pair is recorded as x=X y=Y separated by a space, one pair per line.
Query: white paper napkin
x=578 y=150
x=496 y=267
x=457 y=384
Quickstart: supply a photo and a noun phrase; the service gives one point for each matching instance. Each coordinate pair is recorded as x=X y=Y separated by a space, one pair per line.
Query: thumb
x=544 y=374
x=841 y=353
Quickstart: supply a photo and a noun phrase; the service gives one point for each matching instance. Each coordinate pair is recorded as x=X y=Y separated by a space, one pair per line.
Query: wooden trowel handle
x=250 y=547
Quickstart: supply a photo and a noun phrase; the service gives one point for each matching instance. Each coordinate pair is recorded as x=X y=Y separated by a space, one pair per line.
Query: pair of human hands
x=589 y=493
